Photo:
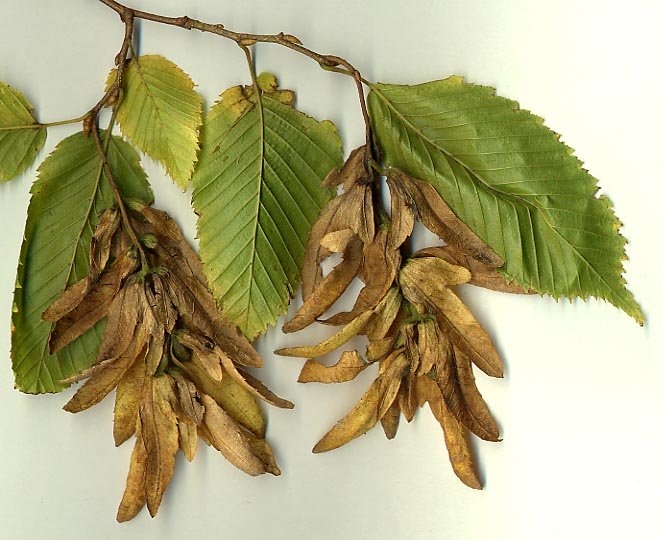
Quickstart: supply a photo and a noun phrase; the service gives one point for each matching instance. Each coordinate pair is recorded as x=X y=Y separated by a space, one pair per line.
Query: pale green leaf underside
x=512 y=181
x=67 y=199
x=257 y=191
x=161 y=113
x=18 y=147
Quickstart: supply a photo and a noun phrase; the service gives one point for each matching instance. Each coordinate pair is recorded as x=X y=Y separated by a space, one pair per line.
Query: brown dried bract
x=421 y=335
x=168 y=352
x=436 y=216
x=482 y=275
x=349 y=215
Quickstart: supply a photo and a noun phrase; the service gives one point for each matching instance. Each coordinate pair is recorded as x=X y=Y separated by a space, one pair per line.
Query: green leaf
x=257 y=191
x=20 y=141
x=512 y=181
x=67 y=199
x=161 y=113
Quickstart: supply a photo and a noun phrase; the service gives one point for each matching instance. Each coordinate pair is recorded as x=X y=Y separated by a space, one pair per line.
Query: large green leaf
x=161 y=113
x=66 y=202
x=257 y=191
x=511 y=180
x=18 y=147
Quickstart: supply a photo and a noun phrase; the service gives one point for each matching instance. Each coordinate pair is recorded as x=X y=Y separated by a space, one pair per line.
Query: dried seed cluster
x=419 y=332
x=178 y=367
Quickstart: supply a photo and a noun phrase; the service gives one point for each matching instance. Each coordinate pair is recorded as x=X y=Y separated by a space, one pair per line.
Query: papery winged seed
x=329 y=290
x=134 y=493
x=372 y=406
x=233 y=398
x=432 y=345
x=352 y=171
x=253 y=385
x=465 y=332
x=127 y=401
x=314 y=252
x=205 y=354
x=93 y=306
x=385 y=314
x=378 y=349
x=390 y=383
x=161 y=437
x=430 y=272
x=337 y=241
x=358 y=421
x=380 y=269
x=346 y=369
x=358 y=212
x=68 y=300
x=453 y=317
x=168 y=231
x=390 y=420
x=121 y=323
x=198 y=311
x=264 y=453
x=188 y=289
x=188 y=398
x=482 y=275
x=160 y=302
x=475 y=404
x=157 y=350
x=188 y=438
x=436 y=216
x=410 y=340
x=334 y=342
x=404 y=404
x=227 y=437
x=100 y=244
x=101 y=382
x=402 y=215
x=455 y=436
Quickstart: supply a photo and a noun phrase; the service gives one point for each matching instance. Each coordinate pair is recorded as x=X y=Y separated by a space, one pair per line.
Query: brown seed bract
x=420 y=333
x=168 y=352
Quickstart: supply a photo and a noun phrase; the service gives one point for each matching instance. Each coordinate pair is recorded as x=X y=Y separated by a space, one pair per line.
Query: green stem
x=46 y=124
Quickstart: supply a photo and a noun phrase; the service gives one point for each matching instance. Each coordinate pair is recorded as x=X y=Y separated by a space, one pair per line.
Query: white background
x=580 y=407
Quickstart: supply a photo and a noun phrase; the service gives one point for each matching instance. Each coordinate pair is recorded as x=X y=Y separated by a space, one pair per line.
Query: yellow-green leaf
x=510 y=179
x=20 y=140
x=161 y=113
x=257 y=191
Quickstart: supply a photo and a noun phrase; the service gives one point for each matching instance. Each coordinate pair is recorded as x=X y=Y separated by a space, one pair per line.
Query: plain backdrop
x=581 y=405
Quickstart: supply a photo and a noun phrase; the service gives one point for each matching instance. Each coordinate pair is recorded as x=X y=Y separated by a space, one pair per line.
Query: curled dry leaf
x=168 y=352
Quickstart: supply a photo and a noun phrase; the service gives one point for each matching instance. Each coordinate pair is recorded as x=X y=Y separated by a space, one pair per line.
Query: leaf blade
x=18 y=147
x=511 y=181
x=67 y=198
x=156 y=88
x=258 y=185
